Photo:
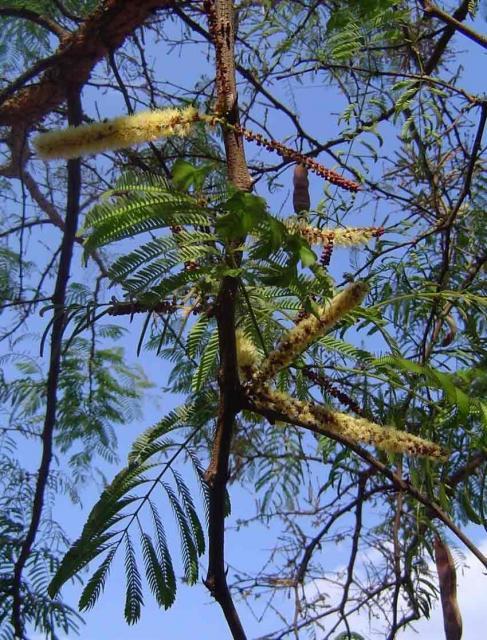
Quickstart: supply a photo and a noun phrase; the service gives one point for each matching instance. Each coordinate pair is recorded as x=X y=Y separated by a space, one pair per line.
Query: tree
x=364 y=387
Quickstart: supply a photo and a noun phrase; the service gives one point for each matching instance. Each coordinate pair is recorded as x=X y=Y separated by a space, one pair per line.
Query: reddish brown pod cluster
x=326 y=253
x=129 y=308
x=299 y=158
x=325 y=383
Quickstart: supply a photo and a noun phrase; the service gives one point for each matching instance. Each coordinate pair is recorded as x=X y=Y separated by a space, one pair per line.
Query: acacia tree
x=266 y=345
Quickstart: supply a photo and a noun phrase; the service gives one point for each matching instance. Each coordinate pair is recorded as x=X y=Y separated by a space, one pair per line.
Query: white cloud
x=472 y=600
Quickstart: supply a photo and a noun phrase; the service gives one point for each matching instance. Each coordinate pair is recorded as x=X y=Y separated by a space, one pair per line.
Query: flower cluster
x=333 y=423
x=335 y=237
x=247 y=356
x=309 y=329
x=117 y=133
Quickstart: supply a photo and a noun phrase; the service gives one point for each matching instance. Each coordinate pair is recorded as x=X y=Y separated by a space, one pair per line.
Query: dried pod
x=452 y=619
x=301 y=200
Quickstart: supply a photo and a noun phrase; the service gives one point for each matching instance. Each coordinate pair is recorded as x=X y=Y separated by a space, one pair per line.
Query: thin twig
x=58 y=325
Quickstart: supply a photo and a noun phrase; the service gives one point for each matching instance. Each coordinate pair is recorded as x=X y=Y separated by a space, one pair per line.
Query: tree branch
x=58 y=298
x=401 y=484
x=104 y=30
x=32 y=16
x=431 y=9
x=221 y=22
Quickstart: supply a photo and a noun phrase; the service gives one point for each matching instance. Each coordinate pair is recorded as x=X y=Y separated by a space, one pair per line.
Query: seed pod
x=301 y=199
x=452 y=619
x=452 y=331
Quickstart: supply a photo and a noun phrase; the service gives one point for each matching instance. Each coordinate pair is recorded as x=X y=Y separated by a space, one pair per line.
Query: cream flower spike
x=308 y=330
x=335 y=237
x=355 y=430
x=247 y=355
x=117 y=133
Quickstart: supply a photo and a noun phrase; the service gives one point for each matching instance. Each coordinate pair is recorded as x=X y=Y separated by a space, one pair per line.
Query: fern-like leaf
x=184 y=493
x=95 y=534
x=188 y=548
x=173 y=420
x=196 y=335
x=164 y=556
x=133 y=592
x=154 y=572
x=79 y=555
x=96 y=584
x=207 y=363
x=143 y=213
x=200 y=475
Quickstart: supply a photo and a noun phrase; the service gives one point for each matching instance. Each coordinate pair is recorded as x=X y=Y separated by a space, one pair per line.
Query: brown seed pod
x=301 y=199
x=452 y=619
x=452 y=331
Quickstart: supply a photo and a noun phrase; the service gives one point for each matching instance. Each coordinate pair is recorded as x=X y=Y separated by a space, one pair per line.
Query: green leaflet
x=96 y=584
x=169 y=592
x=133 y=590
x=196 y=334
x=345 y=349
x=142 y=217
x=155 y=573
x=135 y=259
x=185 y=495
x=140 y=204
x=207 y=362
x=172 y=421
x=436 y=379
x=188 y=547
x=78 y=556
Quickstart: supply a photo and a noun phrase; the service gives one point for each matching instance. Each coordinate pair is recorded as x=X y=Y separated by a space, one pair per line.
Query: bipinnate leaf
x=133 y=590
x=78 y=556
x=164 y=558
x=188 y=547
x=96 y=534
x=198 y=535
x=96 y=583
x=155 y=574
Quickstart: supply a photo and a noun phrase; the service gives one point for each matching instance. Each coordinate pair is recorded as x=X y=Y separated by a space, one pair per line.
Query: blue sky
x=194 y=604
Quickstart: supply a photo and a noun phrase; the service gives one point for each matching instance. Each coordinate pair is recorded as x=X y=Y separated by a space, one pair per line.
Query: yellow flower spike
x=336 y=237
x=385 y=438
x=117 y=133
x=310 y=329
x=247 y=356
x=356 y=430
